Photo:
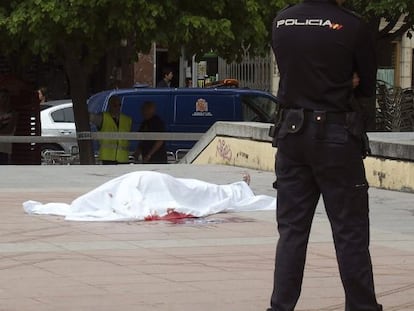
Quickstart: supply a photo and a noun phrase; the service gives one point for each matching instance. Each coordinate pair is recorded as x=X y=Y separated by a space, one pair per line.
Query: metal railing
x=252 y=72
x=52 y=157
x=102 y=135
x=395 y=108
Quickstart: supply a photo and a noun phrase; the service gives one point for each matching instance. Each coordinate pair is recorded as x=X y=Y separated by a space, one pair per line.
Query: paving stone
x=222 y=263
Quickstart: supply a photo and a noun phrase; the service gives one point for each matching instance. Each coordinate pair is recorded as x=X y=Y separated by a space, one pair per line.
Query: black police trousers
x=308 y=166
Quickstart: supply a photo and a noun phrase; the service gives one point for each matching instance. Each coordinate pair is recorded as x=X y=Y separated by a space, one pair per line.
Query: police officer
x=323 y=52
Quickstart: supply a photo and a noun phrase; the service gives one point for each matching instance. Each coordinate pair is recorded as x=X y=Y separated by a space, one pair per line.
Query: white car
x=57 y=119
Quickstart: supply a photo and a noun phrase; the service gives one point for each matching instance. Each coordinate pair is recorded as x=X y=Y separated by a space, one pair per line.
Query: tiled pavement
x=224 y=263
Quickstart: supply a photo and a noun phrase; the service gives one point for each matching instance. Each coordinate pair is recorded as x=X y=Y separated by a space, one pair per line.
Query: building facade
x=406 y=64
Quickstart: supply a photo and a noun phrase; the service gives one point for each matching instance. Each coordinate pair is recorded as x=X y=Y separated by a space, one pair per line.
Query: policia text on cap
x=327 y=66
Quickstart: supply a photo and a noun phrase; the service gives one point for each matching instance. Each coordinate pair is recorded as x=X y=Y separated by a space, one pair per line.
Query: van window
x=64 y=115
x=258 y=108
x=132 y=105
x=203 y=109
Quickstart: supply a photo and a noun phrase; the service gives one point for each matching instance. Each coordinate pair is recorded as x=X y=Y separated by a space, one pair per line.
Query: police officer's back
x=319 y=47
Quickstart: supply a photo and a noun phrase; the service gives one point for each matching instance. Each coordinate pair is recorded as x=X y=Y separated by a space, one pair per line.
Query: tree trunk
x=79 y=80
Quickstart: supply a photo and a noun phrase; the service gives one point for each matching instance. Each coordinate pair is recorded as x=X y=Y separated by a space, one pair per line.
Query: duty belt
x=320 y=118
x=296 y=118
x=326 y=117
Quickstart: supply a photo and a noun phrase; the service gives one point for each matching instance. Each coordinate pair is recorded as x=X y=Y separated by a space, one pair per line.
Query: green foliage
x=383 y=8
x=391 y=10
x=222 y=26
x=78 y=33
x=87 y=29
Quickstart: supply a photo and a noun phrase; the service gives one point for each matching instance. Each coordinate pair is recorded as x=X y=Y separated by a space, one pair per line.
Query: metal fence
x=253 y=72
x=103 y=135
x=395 y=109
x=52 y=157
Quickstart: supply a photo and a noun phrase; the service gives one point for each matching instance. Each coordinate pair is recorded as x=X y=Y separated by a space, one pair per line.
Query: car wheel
x=45 y=150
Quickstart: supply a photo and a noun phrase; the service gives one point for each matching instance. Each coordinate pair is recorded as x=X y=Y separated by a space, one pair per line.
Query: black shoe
x=270 y=309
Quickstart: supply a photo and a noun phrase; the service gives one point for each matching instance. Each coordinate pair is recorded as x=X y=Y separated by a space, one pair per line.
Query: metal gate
x=253 y=72
x=395 y=109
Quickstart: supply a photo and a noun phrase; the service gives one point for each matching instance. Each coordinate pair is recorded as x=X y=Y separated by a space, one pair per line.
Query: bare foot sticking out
x=246 y=178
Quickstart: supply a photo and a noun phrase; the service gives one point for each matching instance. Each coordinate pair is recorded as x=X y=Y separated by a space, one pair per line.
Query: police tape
x=103 y=136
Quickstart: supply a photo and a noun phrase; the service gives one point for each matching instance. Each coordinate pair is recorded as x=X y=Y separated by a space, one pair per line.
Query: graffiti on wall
x=238 y=152
x=243 y=155
x=224 y=150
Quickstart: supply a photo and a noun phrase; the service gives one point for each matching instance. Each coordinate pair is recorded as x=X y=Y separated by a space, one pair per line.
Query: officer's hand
x=355 y=80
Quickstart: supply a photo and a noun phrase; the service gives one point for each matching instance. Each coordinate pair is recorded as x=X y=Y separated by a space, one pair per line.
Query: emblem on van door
x=201 y=109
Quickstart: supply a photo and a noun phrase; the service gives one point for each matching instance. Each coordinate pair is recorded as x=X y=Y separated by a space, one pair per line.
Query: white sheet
x=140 y=195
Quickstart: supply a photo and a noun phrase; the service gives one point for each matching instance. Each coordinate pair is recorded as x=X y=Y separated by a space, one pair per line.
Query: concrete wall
x=239 y=152
x=390 y=174
x=248 y=145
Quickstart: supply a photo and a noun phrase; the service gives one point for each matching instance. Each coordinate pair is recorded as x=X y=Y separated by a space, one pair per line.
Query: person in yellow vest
x=113 y=151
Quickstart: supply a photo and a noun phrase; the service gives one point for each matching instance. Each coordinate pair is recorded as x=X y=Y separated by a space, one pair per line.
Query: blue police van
x=190 y=110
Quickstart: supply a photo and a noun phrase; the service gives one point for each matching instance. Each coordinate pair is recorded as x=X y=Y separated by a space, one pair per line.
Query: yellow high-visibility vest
x=115 y=150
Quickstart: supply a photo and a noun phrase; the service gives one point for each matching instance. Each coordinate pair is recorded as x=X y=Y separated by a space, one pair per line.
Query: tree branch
x=398 y=33
x=390 y=26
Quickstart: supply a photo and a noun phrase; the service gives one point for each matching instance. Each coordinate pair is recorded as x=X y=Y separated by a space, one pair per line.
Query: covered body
x=151 y=195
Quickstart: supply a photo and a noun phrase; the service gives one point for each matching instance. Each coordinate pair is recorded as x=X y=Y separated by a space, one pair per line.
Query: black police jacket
x=318 y=47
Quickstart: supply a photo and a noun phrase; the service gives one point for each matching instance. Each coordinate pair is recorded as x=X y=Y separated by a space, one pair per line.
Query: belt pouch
x=292 y=122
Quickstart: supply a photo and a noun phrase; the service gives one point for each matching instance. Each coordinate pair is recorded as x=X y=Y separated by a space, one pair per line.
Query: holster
x=274 y=129
x=355 y=122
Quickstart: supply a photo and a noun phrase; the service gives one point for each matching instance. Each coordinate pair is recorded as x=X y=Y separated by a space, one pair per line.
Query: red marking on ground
x=172 y=216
